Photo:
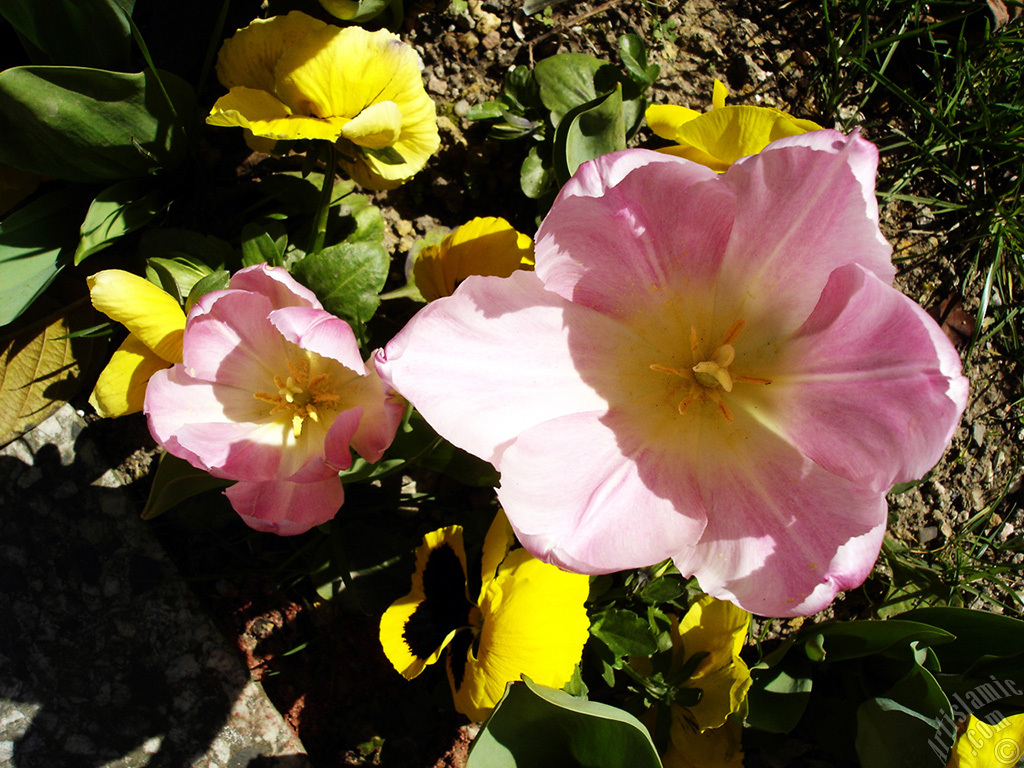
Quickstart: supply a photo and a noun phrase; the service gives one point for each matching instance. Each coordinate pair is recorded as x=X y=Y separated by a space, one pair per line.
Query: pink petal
x=805 y=206
x=783 y=535
x=286 y=508
x=230 y=340
x=276 y=284
x=237 y=450
x=578 y=498
x=496 y=358
x=382 y=412
x=871 y=389
x=336 y=446
x=174 y=399
x=631 y=226
x=321 y=332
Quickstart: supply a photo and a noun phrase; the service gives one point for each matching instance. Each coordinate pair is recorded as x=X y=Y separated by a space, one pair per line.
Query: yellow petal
x=497 y=544
x=534 y=622
x=121 y=387
x=665 y=119
x=718 y=94
x=377 y=126
x=481 y=246
x=148 y=312
x=417 y=628
x=267 y=117
x=986 y=746
x=718 y=628
x=249 y=57
x=730 y=133
x=341 y=73
x=714 y=748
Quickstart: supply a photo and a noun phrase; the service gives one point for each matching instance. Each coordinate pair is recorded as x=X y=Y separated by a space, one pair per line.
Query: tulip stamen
x=300 y=396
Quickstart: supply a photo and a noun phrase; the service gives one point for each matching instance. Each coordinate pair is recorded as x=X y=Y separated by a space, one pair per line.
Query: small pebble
x=462 y=108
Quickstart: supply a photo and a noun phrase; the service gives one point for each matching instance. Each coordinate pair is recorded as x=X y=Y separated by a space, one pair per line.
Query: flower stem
x=323 y=205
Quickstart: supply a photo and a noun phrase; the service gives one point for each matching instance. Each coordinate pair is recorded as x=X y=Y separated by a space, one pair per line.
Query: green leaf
x=778 y=696
x=108 y=126
x=624 y=632
x=538 y=727
x=978 y=634
x=366 y=10
x=80 y=33
x=566 y=81
x=589 y=131
x=174 y=482
x=205 y=252
x=634 y=57
x=259 y=246
x=520 y=90
x=176 y=276
x=536 y=177
x=891 y=734
x=855 y=639
x=347 y=278
x=41 y=368
x=488 y=110
x=117 y=210
x=35 y=244
x=215 y=281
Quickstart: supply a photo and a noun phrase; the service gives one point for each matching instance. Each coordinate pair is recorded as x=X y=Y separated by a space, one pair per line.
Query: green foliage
x=109 y=126
x=117 y=210
x=89 y=33
x=174 y=482
x=535 y=727
x=575 y=106
x=35 y=244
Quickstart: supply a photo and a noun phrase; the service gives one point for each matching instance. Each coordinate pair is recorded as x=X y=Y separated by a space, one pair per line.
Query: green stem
x=323 y=205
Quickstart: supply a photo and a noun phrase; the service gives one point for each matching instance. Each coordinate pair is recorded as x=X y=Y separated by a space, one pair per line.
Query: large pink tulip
x=271 y=393
x=710 y=368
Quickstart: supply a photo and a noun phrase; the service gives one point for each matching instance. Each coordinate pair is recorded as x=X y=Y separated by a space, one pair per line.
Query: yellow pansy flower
x=295 y=77
x=981 y=745
x=722 y=136
x=156 y=323
x=530 y=619
x=481 y=246
x=707 y=735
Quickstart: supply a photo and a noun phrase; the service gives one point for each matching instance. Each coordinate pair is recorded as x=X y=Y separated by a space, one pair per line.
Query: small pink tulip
x=272 y=392
x=710 y=368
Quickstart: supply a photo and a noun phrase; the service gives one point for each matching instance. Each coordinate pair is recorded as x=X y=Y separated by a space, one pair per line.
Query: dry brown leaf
x=40 y=370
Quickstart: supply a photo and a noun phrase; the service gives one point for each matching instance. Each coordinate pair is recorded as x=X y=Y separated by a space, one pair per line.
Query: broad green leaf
x=80 y=33
x=566 y=81
x=538 y=727
x=634 y=57
x=203 y=251
x=41 y=369
x=35 y=244
x=520 y=90
x=347 y=278
x=978 y=634
x=624 y=632
x=589 y=131
x=175 y=481
x=356 y=11
x=488 y=110
x=855 y=639
x=891 y=734
x=215 y=281
x=89 y=124
x=778 y=695
x=119 y=209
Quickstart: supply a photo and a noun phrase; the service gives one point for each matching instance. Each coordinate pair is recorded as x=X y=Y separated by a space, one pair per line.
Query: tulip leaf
x=889 y=733
x=534 y=726
x=855 y=639
x=35 y=244
x=176 y=481
x=347 y=278
x=89 y=124
x=80 y=33
x=119 y=209
x=215 y=281
x=589 y=131
x=41 y=368
x=176 y=275
x=978 y=634
x=625 y=633
x=260 y=246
